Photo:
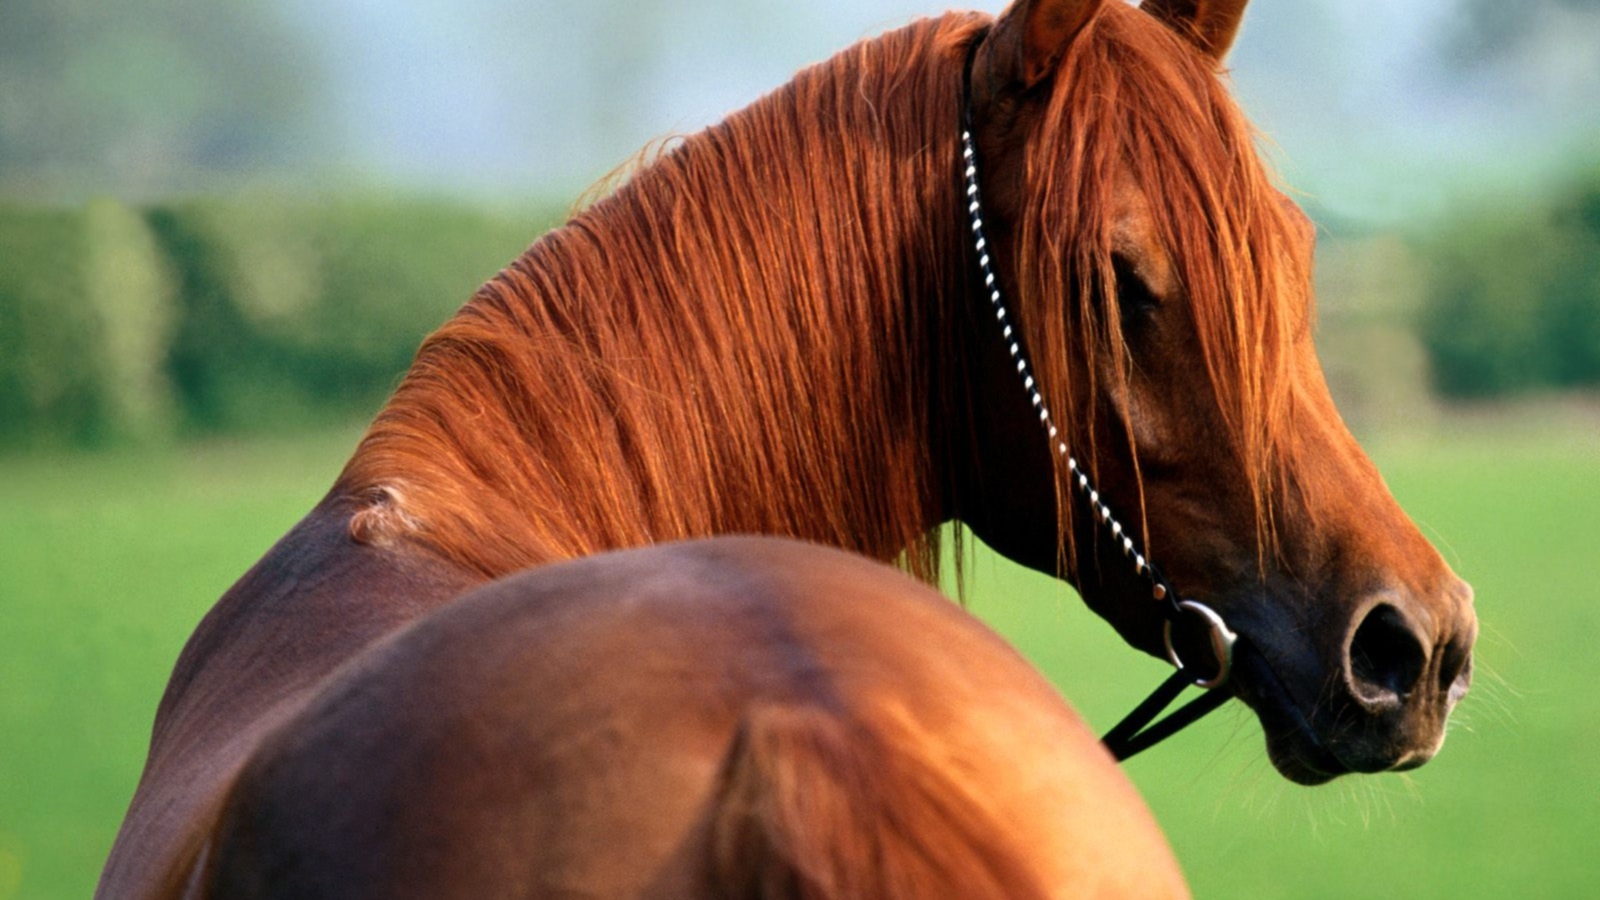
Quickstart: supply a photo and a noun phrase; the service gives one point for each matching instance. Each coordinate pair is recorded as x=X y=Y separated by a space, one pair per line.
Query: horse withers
x=784 y=327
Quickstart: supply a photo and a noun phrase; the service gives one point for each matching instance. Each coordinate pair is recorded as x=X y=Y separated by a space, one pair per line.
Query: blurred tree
x=1514 y=301
x=141 y=95
x=1489 y=30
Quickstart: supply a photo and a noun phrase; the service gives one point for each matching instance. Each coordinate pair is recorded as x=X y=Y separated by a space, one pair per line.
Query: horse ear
x=1210 y=24
x=1033 y=35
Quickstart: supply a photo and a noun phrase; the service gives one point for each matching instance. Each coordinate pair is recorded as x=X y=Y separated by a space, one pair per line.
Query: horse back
x=725 y=718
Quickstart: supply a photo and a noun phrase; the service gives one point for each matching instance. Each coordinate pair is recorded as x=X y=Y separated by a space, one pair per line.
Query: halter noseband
x=1131 y=735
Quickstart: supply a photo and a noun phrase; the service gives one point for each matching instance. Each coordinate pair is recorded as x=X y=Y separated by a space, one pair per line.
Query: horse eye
x=1133 y=295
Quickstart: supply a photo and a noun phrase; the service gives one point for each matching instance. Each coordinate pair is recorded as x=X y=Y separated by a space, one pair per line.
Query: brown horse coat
x=739 y=717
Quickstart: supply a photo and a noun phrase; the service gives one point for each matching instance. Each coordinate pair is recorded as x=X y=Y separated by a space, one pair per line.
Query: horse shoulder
x=313 y=602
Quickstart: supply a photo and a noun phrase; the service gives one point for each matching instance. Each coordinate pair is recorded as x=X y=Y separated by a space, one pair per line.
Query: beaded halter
x=1131 y=734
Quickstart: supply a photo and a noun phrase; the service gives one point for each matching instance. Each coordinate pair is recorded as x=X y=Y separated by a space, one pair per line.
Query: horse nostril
x=1386 y=657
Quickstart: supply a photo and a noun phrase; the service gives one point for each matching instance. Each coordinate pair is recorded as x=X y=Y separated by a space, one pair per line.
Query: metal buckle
x=1222 y=640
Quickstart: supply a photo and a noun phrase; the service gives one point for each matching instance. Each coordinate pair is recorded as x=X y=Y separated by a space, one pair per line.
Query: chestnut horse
x=782 y=327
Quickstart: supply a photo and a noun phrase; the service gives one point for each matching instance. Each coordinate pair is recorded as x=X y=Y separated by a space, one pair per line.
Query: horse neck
x=744 y=338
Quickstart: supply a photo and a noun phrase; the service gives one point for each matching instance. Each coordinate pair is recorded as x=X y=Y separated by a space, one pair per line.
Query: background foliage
x=242 y=315
x=1514 y=299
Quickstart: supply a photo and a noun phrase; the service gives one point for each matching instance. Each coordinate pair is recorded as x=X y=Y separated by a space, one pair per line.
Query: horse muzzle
x=1378 y=703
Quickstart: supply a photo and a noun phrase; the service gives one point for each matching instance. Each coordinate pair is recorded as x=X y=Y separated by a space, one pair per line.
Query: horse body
x=789 y=696
x=773 y=330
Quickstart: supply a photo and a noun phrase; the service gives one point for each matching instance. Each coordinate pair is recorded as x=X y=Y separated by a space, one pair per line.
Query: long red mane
x=710 y=349
x=752 y=333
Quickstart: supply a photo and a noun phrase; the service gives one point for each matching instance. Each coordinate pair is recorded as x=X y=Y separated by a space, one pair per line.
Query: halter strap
x=1135 y=732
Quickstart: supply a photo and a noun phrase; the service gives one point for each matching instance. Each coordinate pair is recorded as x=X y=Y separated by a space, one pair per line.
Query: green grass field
x=107 y=562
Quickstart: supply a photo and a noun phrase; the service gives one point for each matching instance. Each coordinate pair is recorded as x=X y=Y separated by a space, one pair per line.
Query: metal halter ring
x=1222 y=640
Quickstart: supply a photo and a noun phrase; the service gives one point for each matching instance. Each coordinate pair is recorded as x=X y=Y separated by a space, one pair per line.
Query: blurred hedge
x=1514 y=297
x=85 y=314
x=240 y=314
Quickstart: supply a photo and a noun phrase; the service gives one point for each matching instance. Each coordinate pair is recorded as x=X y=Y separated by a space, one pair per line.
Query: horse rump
x=731 y=719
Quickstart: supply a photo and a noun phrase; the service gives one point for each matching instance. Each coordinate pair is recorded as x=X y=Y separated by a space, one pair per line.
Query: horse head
x=1162 y=285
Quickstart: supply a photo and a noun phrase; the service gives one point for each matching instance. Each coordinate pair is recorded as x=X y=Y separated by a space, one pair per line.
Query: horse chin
x=1302 y=765
x=1293 y=744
